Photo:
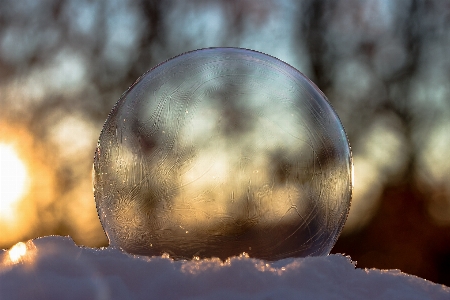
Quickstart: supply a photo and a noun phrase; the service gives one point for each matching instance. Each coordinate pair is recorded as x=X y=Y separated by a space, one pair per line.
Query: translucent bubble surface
x=222 y=151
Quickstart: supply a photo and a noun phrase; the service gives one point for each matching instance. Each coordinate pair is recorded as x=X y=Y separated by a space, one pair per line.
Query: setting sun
x=13 y=177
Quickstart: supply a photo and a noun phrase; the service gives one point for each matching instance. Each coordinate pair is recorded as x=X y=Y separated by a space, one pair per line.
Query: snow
x=54 y=267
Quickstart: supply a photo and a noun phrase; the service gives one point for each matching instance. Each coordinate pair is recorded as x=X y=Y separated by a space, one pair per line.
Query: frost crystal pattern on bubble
x=222 y=151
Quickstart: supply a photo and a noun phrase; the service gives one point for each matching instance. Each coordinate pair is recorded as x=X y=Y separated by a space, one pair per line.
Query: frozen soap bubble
x=222 y=151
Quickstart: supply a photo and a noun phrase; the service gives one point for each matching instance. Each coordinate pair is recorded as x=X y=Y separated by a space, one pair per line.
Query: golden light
x=17 y=252
x=27 y=185
x=13 y=179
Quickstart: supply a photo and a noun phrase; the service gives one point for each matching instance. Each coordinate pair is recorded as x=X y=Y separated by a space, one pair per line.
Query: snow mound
x=55 y=268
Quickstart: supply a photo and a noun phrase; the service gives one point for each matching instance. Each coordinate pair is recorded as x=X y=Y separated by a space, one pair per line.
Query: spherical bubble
x=222 y=151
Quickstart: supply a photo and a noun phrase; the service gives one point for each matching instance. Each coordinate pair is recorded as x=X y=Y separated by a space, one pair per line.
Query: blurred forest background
x=384 y=66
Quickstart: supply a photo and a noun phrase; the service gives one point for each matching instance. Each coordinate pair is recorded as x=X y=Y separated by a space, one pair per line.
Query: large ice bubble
x=222 y=151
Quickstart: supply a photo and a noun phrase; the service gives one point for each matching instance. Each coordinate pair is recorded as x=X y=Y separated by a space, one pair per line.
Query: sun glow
x=13 y=179
x=17 y=252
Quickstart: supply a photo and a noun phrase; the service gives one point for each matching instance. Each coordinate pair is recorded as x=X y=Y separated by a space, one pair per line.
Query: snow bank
x=55 y=268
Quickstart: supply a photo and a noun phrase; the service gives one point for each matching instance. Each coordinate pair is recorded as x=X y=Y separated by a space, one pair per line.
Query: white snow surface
x=54 y=267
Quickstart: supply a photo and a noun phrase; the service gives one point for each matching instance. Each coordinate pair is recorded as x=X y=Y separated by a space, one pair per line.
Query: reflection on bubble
x=222 y=151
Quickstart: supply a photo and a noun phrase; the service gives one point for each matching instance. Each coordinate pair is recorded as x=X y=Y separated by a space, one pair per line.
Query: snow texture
x=55 y=268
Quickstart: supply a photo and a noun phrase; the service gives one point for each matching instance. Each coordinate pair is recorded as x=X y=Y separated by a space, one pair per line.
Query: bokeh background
x=384 y=66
